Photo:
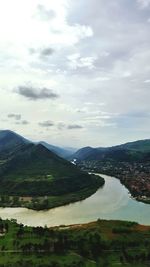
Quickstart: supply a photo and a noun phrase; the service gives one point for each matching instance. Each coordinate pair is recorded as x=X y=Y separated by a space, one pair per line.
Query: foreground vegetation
x=102 y=243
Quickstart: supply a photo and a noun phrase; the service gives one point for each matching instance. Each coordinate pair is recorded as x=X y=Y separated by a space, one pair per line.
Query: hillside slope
x=35 y=171
x=10 y=142
x=96 y=244
x=131 y=151
x=140 y=145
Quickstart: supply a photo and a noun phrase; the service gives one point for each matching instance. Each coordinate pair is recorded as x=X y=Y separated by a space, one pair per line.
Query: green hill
x=34 y=170
x=10 y=143
x=132 y=151
x=29 y=170
x=140 y=145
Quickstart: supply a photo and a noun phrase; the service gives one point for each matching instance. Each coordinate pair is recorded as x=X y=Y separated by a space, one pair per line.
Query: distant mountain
x=10 y=142
x=84 y=153
x=140 y=145
x=62 y=152
x=110 y=154
x=71 y=150
x=127 y=152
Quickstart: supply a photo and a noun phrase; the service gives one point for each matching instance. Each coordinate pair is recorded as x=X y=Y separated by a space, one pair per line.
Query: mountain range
x=131 y=151
x=60 y=151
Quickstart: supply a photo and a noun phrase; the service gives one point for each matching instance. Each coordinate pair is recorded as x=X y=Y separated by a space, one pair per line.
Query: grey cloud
x=43 y=52
x=23 y=122
x=74 y=126
x=32 y=50
x=47 y=51
x=61 y=125
x=36 y=93
x=44 y=13
x=139 y=114
x=134 y=115
x=46 y=124
x=18 y=117
x=143 y=3
x=14 y=116
x=114 y=24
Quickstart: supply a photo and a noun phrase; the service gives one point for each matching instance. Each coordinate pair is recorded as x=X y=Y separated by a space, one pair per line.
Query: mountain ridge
x=62 y=152
x=91 y=153
x=10 y=140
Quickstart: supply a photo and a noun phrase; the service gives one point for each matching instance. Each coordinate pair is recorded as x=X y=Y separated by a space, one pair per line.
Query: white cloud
x=76 y=61
x=19 y=25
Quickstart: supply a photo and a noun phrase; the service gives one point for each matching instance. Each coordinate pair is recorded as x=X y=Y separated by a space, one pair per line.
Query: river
x=112 y=201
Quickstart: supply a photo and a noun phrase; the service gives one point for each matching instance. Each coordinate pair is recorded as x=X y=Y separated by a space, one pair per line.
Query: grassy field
x=102 y=243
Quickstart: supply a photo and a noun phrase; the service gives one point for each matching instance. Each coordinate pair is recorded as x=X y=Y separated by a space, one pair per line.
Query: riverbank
x=132 y=183
x=134 y=188
x=101 y=243
x=50 y=202
x=111 y=202
x=134 y=175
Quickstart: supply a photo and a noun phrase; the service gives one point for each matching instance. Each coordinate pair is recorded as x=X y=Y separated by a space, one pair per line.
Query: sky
x=75 y=73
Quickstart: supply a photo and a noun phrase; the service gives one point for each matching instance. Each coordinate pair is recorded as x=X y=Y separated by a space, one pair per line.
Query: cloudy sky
x=75 y=73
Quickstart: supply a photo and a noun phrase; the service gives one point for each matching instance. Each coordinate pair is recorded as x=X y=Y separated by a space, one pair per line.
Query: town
x=135 y=176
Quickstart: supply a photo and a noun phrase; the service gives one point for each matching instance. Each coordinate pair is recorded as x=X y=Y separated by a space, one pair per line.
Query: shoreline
x=119 y=206
x=44 y=203
x=143 y=199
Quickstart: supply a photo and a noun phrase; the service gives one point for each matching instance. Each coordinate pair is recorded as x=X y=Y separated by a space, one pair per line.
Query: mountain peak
x=10 y=141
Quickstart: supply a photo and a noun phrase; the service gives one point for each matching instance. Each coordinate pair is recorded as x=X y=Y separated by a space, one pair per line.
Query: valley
x=111 y=202
x=48 y=205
